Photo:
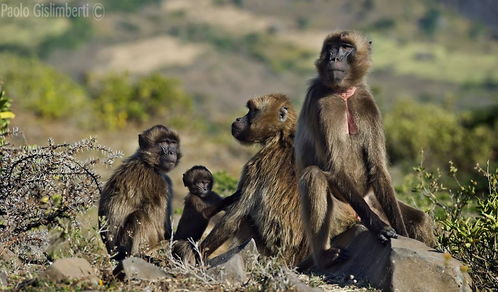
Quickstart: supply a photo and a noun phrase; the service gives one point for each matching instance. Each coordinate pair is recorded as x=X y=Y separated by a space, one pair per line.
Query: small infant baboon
x=201 y=204
x=135 y=205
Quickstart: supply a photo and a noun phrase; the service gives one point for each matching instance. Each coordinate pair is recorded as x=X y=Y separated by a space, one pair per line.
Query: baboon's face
x=265 y=117
x=162 y=147
x=334 y=64
x=201 y=186
x=168 y=154
x=198 y=180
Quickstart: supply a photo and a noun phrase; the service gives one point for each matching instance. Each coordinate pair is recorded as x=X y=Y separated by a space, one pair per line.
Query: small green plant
x=467 y=219
x=225 y=184
x=5 y=114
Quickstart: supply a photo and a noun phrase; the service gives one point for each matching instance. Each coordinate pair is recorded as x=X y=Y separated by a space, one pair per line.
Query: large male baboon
x=135 y=204
x=340 y=150
x=268 y=197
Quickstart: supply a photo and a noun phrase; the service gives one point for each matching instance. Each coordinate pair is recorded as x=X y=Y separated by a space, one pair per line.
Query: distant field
x=433 y=61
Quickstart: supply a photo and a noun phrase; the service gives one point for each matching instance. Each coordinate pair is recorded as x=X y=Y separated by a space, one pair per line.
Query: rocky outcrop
x=403 y=264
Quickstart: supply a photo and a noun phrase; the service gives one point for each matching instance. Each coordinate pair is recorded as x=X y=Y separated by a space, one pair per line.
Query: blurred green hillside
x=192 y=64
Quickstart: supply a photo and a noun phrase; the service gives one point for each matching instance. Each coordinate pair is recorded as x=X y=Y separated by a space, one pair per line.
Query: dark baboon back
x=135 y=204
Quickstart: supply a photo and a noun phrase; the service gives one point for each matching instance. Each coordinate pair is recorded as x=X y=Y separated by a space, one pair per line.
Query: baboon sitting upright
x=268 y=204
x=135 y=204
x=200 y=205
x=340 y=151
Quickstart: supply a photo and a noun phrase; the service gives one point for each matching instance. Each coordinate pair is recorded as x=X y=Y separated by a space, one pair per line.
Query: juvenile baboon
x=340 y=148
x=135 y=204
x=200 y=205
x=268 y=204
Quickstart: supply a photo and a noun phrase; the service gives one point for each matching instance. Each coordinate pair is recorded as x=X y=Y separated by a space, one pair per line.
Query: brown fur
x=336 y=166
x=135 y=204
x=269 y=200
x=198 y=209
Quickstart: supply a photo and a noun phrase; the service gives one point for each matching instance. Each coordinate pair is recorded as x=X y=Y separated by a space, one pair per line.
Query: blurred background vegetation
x=193 y=64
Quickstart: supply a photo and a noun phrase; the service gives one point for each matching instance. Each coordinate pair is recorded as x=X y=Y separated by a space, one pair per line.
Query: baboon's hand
x=386 y=233
x=333 y=255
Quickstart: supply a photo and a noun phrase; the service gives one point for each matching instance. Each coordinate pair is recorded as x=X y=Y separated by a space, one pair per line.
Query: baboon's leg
x=135 y=235
x=317 y=206
x=419 y=225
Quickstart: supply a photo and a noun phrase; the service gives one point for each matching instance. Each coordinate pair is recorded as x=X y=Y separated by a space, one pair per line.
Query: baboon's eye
x=253 y=112
x=282 y=115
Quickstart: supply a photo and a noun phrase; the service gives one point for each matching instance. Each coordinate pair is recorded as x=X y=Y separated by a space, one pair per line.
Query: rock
x=404 y=264
x=299 y=286
x=8 y=256
x=230 y=266
x=247 y=250
x=71 y=269
x=3 y=279
x=232 y=271
x=137 y=268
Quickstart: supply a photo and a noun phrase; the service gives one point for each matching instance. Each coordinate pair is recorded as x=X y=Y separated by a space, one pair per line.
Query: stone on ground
x=404 y=264
x=71 y=269
x=137 y=268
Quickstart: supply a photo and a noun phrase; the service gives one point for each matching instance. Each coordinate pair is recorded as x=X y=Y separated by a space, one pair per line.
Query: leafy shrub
x=224 y=184
x=39 y=185
x=430 y=22
x=412 y=127
x=127 y=5
x=383 y=24
x=467 y=217
x=80 y=31
x=40 y=88
x=118 y=100
x=5 y=114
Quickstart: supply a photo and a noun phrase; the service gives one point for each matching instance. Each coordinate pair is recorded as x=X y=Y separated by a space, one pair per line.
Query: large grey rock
x=137 y=268
x=231 y=266
x=71 y=269
x=404 y=264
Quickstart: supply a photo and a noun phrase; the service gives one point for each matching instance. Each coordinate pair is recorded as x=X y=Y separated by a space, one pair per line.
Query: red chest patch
x=352 y=128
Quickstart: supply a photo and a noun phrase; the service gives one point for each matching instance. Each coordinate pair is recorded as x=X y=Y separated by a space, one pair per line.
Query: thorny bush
x=40 y=185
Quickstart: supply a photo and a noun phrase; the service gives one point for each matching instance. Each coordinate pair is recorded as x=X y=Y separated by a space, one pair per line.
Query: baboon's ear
x=143 y=142
x=184 y=179
x=283 y=113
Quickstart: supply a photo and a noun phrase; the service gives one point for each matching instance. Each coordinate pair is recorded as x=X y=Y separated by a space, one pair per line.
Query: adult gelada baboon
x=268 y=196
x=340 y=148
x=200 y=205
x=135 y=204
